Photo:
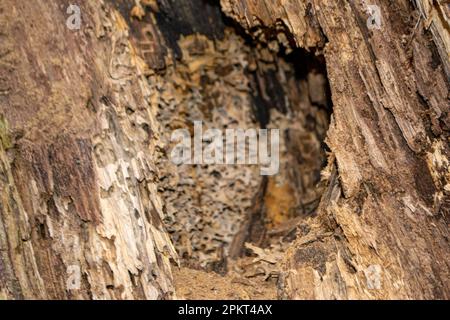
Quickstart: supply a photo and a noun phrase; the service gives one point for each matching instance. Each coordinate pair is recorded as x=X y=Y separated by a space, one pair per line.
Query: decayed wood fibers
x=390 y=119
x=210 y=206
x=80 y=164
x=78 y=180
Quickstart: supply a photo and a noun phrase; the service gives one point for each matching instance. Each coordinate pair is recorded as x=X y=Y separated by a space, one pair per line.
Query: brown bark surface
x=85 y=122
x=78 y=189
x=389 y=136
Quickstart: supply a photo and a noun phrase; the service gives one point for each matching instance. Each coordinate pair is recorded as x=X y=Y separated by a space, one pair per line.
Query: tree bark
x=389 y=136
x=79 y=192
x=91 y=208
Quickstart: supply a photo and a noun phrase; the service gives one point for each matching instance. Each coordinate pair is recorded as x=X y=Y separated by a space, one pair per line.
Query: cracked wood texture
x=78 y=190
x=389 y=135
x=84 y=120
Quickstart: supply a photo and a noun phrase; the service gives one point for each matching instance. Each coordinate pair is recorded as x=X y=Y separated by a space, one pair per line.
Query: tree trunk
x=388 y=211
x=92 y=207
x=79 y=192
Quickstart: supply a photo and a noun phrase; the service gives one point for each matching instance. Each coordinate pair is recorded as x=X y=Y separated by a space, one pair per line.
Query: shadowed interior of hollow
x=229 y=80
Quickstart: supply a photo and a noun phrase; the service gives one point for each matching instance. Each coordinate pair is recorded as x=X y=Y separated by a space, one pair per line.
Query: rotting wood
x=85 y=126
x=390 y=118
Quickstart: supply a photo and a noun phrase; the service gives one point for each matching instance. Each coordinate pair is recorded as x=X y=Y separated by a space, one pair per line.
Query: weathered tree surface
x=389 y=135
x=79 y=191
x=87 y=188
